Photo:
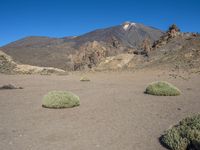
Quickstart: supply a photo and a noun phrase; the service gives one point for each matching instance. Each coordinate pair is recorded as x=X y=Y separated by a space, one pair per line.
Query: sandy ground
x=114 y=113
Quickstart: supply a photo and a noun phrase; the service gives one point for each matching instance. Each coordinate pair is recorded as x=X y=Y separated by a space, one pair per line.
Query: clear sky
x=59 y=18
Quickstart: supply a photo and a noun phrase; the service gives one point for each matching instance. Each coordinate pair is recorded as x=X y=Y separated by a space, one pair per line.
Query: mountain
x=128 y=34
x=84 y=51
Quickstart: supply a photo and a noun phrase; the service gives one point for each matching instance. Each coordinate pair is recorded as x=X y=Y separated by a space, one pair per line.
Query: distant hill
x=8 y=66
x=72 y=53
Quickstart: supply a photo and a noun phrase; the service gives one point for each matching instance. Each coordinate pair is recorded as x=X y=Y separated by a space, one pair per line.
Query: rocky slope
x=174 y=50
x=7 y=65
x=179 y=52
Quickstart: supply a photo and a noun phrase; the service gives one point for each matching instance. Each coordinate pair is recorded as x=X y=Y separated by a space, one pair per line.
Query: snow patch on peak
x=127 y=25
x=133 y=24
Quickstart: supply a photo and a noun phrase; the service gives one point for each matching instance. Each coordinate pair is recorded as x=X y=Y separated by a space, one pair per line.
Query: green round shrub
x=162 y=88
x=84 y=79
x=184 y=136
x=60 y=99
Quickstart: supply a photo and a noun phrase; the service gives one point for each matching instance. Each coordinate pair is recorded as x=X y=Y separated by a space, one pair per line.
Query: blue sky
x=59 y=18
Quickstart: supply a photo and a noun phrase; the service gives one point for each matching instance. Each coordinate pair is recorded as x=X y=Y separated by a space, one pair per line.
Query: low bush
x=60 y=99
x=184 y=136
x=162 y=88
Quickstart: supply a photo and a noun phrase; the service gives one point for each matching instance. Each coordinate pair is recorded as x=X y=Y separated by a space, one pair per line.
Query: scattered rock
x=9 y=87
